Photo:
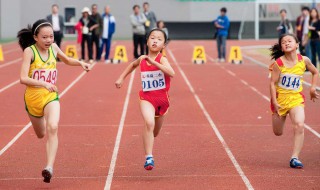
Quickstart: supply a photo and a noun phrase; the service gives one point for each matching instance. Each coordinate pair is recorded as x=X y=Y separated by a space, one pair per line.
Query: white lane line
x=265 y=97
x=9 y=85
x=10 y=62
x=29 y=124
x=265 y=66
x=214 y=127
x=119 y=135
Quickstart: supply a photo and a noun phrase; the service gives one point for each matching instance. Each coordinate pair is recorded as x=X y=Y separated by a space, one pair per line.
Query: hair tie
x=40 y=25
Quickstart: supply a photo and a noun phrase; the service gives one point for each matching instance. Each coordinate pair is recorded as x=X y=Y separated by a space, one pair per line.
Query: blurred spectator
x=109 y=27
x=57 y=24
x=88 y=24
x=302 y=30
x=151 y=21
x=162 y=26
x=138 y=20
x=314 y=28
x=222 y=24
x=96 y=33
x=284 y=26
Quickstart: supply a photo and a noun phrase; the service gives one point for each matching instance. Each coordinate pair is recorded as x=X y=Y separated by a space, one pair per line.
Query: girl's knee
x=52 y=128
x=277 y=133
x=150 y=125
x=40 y=135
x=299 y=128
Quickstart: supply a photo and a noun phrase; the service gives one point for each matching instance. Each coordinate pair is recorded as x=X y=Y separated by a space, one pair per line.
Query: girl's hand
x=51 y=87
x=119 y=83
x=85 y=66
x=276 y=107
x=142 y=57
x=313 y=94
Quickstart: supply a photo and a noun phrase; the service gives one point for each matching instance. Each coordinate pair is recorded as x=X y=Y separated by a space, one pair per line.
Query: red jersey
x=154 y=81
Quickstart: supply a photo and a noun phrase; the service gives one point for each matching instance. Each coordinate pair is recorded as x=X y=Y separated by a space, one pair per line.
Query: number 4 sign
x=120 y=54
x=199 y=55
x=235 y=55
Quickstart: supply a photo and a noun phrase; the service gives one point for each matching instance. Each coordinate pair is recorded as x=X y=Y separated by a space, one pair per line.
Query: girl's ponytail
x=276 y=51
x=25 y=37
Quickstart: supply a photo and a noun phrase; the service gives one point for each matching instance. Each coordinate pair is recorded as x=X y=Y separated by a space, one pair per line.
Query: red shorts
x=160 y=103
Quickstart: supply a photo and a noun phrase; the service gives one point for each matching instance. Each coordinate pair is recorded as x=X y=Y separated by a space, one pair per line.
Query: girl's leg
x=278 y=124
x=52 y=116
x=148 y=112
x=297 y=117
x=39 y=126
x=158 y=125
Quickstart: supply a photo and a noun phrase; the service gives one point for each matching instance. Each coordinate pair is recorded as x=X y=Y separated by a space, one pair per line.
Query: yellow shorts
x=36 y=100
x=288 y=101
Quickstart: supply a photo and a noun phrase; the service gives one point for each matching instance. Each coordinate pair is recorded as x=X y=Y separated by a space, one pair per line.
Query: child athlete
x=286 y=90
x=154 y=99
x=39 y=74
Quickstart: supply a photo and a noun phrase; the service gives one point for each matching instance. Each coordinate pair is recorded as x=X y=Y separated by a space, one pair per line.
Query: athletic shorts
x=160 y=103
x=287 y=102
x=36 y=100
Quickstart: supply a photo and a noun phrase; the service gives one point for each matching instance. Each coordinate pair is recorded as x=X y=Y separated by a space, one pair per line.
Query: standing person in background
x=151 y=20
x=109 y=27
x=302 y=30
x=162 y=26
x=138 y=20
x=96 y=33
x=57 y=23
x=88 y=25
x=284 y=26
x=222 y=24
x=314 y=29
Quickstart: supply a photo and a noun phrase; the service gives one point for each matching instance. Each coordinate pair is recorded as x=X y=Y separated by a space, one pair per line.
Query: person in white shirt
x=57 y=24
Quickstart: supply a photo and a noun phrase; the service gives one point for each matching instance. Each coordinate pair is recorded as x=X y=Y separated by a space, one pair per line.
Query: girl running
x=286 y=90
x=154 y=99
x=39 y=74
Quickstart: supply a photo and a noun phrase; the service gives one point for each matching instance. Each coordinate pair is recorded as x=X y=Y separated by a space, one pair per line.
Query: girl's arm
x=164 y=65
x=275 y=75
x=131 y=67
x=70 y=61
x=25 y=79
x=315 y=74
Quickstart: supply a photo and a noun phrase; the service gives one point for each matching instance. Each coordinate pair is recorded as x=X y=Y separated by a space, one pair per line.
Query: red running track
x=188 y=154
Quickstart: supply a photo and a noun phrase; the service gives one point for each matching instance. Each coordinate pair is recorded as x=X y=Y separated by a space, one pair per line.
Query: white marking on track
x=10 y=62
x=119 y=135
x=29 y=124
x=9 y=85
x=214 y=127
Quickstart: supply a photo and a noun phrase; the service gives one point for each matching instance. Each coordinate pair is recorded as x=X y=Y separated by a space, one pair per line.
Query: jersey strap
x=279 y=62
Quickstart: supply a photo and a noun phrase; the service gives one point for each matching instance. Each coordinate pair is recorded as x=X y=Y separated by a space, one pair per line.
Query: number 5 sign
x=71 y=51
x=199 y=55
x=235 y=55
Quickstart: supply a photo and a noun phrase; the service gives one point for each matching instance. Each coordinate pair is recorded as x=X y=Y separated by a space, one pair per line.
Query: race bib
x=46 y=75
x=152 y=80
x=289 y=82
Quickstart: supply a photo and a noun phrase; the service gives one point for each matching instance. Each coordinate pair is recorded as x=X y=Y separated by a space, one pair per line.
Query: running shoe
x=295 y=163
x=149 y=165
x=47 y=174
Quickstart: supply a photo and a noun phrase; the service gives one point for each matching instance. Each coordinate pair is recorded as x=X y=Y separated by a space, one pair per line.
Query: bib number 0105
x=153 y=80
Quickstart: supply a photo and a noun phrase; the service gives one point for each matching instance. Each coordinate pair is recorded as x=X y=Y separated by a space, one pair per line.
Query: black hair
x=317 y=16
x=134 y=7
x=305 y=8
x=145 y=3
x=25 y=36
x=158 y=29
x=276 y=50
x=94 y=5
x=223 y=9
x=164 y=25
x=283 y=10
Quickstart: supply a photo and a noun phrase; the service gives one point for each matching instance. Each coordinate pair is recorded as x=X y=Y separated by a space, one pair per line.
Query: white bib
x=289 y=82
x=152 y=80
x=46 y=75
x=85 y=30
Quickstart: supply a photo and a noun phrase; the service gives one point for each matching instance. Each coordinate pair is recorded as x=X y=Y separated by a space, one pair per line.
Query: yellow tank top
x=44 y=70
x=291 y=79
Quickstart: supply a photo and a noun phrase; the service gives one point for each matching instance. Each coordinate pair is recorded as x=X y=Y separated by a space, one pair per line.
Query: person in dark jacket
x=88 y=25
x=57 y=23
x=96 y=33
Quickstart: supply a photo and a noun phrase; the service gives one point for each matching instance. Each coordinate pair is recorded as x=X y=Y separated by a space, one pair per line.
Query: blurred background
x=185 y=19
